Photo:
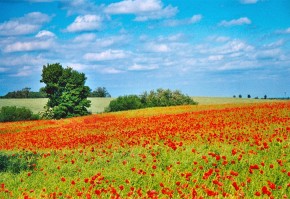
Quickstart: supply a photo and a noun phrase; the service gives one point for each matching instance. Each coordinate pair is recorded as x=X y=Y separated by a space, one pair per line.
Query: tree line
x=27 y=93
x=68 y=96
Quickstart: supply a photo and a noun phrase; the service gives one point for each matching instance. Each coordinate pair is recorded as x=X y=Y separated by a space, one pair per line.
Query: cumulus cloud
x=85 y=37
x=111 y=70
x=236 y=22
x=192 y=20
x=138 y=67
x=28 y=46
x=215 y=57
x=78 y=7
x=143 y=9
x=45 y=34
x=158 y=48
x=106 y=55
x=249 y=1
x=28 y=24
x=85 y=23
x=23 y=72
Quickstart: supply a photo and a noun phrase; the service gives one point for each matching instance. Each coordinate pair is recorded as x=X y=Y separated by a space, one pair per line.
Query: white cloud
x=192 y=20
x=167 y=12
x=232 y=46
x=106 y=55
x=20 y=60
x=249 y=1
x=158 y=48
x=195 y=18
x=134 y=6
x=40 y=1
x=78 y=7
x=215 y=57
x=236 y=22
x=23 y=72
x=268 y=54
x=85 y=37
x=138 y=67
x=111 y=70
x=28 y=24
x=143 y=9
x=3 y=69
x=28 y=46
x=287 y=30
x=85 y=23
x=220 y=39
x=45 y=34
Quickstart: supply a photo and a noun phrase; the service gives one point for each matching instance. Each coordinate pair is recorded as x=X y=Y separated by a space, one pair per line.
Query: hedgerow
x=13 y=113
x=159 y=98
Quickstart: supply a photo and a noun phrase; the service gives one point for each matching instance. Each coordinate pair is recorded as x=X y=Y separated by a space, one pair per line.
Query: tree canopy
x=66 y=91
x=100 y=92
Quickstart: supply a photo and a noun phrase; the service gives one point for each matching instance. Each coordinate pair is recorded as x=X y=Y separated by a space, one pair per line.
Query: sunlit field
x=99 y=104
x=206 y=151
x=37 y=105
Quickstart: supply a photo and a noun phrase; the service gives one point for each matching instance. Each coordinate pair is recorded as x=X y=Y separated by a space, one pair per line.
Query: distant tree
x=24 y=93
x=240 y=96
x=66 y=91
x=158 y=98
x=265 y=96
x=100 y=92
x=249 y=96
x=234 y=96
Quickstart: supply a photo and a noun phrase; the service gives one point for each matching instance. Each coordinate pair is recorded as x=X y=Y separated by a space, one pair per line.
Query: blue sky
x=201 y=47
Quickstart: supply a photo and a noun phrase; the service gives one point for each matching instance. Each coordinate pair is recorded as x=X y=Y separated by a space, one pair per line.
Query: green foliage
x=166 y=97
x=13 y=113
x=66 y=91
x=25 y=93
x=127 y=102
x=15 y=163
x=100 y=92
x=160 y=98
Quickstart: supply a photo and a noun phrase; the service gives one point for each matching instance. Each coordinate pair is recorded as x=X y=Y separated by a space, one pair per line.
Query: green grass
x=36 y=105
x=98 y=104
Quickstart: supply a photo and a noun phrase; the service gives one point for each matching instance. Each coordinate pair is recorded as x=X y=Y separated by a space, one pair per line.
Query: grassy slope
x=98 y=104
x=36 y=105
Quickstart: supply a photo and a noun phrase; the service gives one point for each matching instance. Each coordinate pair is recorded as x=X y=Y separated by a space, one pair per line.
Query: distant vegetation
x=100 y=92
x=13 y=113
x=159 y=98
x=25 y=93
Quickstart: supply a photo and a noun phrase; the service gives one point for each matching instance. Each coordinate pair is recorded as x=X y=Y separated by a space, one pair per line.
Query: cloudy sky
x=201 y=47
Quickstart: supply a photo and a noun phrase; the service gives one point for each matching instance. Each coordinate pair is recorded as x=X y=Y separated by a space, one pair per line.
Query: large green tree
x=66 y=91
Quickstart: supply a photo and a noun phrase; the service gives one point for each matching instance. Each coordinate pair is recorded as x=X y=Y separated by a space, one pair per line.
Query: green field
x=98 y=104
x=36 y=105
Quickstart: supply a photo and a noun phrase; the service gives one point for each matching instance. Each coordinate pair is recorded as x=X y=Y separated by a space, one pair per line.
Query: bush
x=13 y=113
x=159 y=98
x=122 y=103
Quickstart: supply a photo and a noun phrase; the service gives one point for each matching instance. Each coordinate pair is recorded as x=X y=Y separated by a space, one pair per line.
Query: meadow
x=238 y=150
x=98 y=104
x=36 y=105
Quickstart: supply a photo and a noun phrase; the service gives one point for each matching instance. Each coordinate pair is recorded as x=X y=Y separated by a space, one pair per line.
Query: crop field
x=206 y=151
x=98 y=104
x=37 y=105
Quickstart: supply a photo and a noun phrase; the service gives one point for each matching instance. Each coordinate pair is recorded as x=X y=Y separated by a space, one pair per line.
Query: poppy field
x=203 y=151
